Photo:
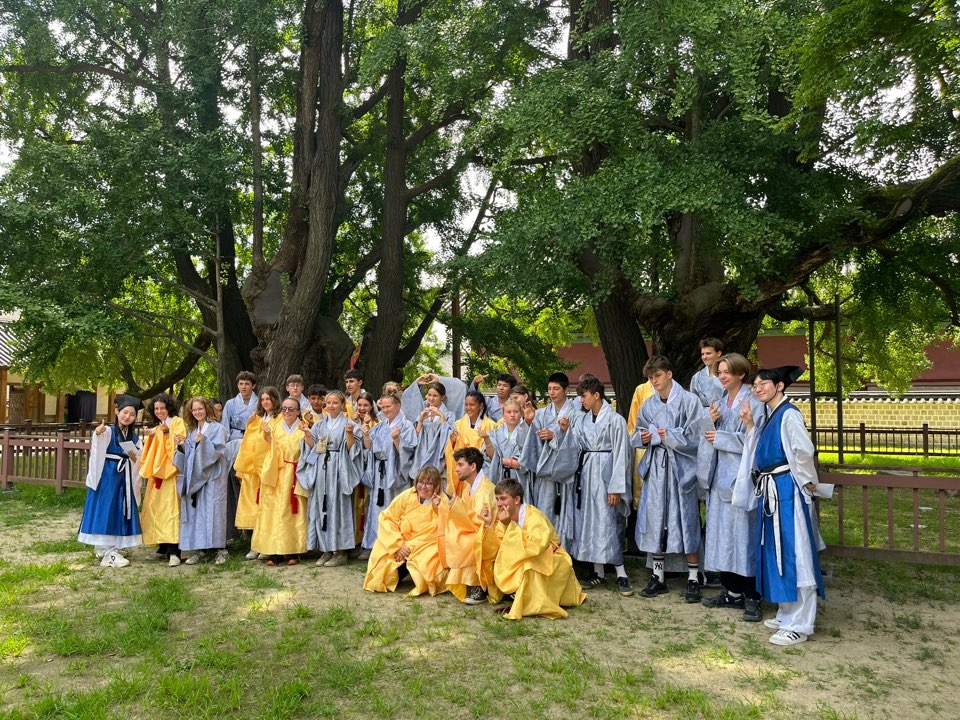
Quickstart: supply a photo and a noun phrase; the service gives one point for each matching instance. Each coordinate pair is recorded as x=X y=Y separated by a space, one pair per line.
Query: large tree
x=689 y=164
x=180 y=142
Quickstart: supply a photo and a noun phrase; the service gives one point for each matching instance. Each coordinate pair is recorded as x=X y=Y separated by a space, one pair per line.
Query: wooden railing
x=892 y=513
x=55 y=456
x=861 y=439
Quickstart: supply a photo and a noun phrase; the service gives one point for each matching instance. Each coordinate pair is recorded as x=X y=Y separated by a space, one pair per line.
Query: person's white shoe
x=323 y=559
x=222 y=557
x=772 y=623
x=174 y=561
x=114 y=559
x=788 y=637
x=196 y=558
x=252 y=555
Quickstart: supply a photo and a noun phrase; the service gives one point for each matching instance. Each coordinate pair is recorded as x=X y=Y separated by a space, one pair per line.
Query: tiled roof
x=7 y=341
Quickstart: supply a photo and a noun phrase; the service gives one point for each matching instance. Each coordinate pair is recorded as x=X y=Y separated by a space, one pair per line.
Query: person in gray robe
x=236 y=413
x=602 y=485
x=703 y=384
x=433 y=425
x=668 y=518
x=202 y=484
x=413 y=403
x=330 y=470
x=731 y=531
x=507 y=447
x=553 y=463
x=391 y=442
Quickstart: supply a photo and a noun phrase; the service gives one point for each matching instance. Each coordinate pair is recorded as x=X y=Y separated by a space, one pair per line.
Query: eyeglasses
x=287 y=408
x=425 y=483
x=758 y=384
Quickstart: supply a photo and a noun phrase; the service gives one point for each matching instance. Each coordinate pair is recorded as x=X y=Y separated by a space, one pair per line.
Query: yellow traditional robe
x=640 y=396
x=407 y=521
x=467 y=437
x=160 y=513
x=468 y=548
x=281 y=526
x=533 y=566
x=250 y=457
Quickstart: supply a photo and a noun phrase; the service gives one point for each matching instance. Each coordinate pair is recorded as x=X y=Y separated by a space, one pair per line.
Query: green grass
x=855 y=458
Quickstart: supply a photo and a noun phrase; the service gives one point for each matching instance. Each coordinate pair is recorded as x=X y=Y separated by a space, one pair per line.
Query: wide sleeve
x=798 y=448
x=98 y=456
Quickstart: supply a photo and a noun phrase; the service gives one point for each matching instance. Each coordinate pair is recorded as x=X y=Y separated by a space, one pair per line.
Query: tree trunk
x=624 y=347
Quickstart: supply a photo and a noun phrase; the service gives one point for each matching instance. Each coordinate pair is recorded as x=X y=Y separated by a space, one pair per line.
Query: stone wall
x=943 y=414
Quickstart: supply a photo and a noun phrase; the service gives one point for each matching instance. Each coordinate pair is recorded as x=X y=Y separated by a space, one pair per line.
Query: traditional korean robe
x=707 y=389
x=408 y=522
x=508 y=444
x=412 y=402
x=203 y=489
x=786 y=541
x=160 y=513
x=330 y=478
x=110 y=517
x=467 y=437
x=640 y=395
x=469 y=547
x=281 y=526
x=248 y=465
x=603 y=467
x=669 y=510
x=388 y=473
x=234 y=418
x=532 y=565
x=731 y=530
x=554 y=464
x=432 y=442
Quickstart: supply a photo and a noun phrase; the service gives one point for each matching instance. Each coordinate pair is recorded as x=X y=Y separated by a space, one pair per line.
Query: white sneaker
x=174 y=561
x=222 y=557
x=114 y=559
x=772 y=623
x=788 y=637
x=252 y=555
x=196 y=558
x=324 y=559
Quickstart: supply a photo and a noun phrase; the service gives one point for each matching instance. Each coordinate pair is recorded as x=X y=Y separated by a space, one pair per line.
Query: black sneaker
x=693 y=592
x=654 y=587
x=724 y=600
x=710 y=580
x=624 y=586
x=752 y=611
x=476 y=596
x=592 y=581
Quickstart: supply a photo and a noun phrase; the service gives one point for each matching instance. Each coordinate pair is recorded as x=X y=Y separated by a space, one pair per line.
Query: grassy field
x=246 y=641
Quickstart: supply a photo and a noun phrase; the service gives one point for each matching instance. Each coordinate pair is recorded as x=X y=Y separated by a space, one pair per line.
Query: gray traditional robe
x=432 y=443
x=707 y=389
x=669 y=509
x=412 y=402
x=202 y=484
x=553 y=464
x=388 y=472
x=604 y=467
x=330 y=478
x=731 y=532
x=510 y=445
x=234 y=420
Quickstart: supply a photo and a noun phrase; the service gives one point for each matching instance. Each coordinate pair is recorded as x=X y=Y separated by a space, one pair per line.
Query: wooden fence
x=861 y=439
x=45 y=455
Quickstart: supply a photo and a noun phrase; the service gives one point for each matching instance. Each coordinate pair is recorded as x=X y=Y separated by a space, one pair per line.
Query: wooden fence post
x=60 y=467
x=863 y=438
x=6 y=461
x=926 y=440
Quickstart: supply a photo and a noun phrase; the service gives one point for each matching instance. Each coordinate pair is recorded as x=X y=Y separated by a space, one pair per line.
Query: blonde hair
x=189 y=420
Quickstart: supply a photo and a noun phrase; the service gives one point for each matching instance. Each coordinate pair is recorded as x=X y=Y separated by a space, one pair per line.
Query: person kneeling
x=531 y=564
x=407 y=540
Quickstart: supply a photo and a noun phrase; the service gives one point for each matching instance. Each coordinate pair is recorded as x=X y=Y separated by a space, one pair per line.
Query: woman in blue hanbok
x=110 y=520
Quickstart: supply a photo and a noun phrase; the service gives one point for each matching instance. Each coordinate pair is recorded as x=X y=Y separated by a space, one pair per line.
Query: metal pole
x=813 y=383
x=838 y=366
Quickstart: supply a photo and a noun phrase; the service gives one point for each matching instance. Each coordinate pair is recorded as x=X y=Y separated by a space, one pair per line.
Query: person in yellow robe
x=640 y=396
x=160 y=513
x=531 y=563
x=469 y=431
x=281 y=528
x=253 y=449
x=470 y=543
x=407 y=540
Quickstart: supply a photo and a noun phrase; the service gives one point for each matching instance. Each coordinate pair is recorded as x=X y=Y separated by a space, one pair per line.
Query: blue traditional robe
x=110 y=517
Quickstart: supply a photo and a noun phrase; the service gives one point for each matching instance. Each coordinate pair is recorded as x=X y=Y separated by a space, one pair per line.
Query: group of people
x=484 y=496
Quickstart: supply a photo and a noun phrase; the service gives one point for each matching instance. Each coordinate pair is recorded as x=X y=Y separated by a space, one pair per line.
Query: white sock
x=598 y=569
x=693 y=571
x=621 y=571
x=658 y=567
